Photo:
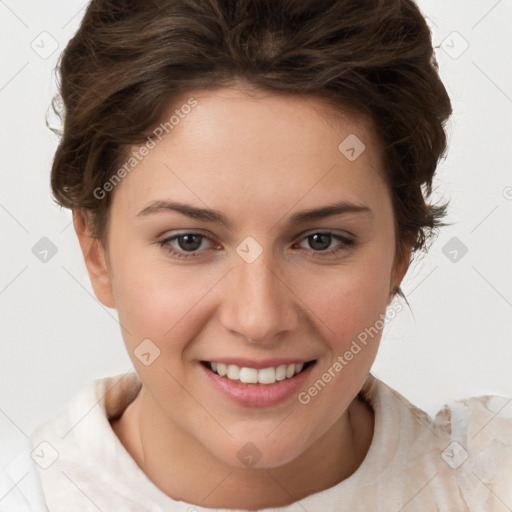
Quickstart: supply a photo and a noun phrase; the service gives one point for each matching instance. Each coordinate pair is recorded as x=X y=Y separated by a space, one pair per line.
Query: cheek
x=346 y=300
x=158 y=306
x=349 y=309
x=153 y=302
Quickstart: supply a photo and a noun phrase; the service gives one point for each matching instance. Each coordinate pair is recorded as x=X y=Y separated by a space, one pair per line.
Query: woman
x=249 y=183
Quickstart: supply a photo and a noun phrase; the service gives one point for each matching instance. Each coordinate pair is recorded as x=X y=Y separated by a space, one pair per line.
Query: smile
x=247 y=375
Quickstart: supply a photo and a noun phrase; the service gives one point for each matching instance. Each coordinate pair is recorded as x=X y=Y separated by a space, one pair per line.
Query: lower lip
x=257 y=395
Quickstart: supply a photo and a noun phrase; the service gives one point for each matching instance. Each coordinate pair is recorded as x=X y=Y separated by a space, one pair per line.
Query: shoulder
x=77 y=448
x=20 y=486
x=460 y=458
x=30 y=481
x=478 y=452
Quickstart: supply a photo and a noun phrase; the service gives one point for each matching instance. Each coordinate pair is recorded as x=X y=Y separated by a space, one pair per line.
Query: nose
x=258 y=303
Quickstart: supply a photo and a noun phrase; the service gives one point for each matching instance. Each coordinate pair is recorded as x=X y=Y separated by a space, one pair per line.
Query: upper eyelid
x=334 y=232
x=304 y=234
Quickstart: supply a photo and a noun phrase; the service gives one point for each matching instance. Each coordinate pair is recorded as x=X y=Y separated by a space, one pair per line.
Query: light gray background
x=56 y=337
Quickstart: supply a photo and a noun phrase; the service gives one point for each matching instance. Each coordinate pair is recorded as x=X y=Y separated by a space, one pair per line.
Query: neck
x=184 y=470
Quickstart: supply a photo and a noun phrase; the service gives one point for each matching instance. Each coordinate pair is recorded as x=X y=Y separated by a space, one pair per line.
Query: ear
x=400 y=269
x=95 y=259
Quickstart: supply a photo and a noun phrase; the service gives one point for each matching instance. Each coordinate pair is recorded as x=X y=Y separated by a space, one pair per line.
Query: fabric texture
x=459 y=461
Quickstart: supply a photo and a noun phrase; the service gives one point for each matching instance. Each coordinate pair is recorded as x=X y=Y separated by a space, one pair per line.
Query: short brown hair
x=129 y=60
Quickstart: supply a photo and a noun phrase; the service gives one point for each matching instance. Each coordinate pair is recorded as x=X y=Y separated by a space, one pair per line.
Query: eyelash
x=346 y=243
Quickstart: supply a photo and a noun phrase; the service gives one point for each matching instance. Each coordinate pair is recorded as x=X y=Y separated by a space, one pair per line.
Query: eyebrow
x=208 y=215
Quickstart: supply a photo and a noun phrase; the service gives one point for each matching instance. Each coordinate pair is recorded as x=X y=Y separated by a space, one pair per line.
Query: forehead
x=251 y=146
x=245 y=115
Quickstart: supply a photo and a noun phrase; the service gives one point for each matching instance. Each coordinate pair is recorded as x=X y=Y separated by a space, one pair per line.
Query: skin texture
x=257 y=158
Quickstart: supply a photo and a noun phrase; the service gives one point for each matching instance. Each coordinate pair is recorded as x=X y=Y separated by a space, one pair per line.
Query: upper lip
x=258 y=365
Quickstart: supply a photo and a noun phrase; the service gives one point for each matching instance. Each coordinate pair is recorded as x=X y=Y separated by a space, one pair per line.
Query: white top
x=459 y=461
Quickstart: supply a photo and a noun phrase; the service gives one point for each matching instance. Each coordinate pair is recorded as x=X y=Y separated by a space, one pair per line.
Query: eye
x=186 y=244
x=320 y=242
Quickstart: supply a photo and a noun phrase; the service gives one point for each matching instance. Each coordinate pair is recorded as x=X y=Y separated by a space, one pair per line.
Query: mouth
x=253 y=383
x=262 y=376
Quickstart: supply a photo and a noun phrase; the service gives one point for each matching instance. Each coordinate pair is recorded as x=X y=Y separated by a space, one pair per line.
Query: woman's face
x=259 y=288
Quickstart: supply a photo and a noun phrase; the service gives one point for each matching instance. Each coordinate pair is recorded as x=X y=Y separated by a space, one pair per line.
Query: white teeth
x=222 y=369
x=253 y=376
x=233 y=372
x=267 y=376
x=248 y=375
x=281 y=372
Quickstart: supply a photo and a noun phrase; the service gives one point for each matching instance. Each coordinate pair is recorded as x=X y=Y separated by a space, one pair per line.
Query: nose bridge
x=257 y=304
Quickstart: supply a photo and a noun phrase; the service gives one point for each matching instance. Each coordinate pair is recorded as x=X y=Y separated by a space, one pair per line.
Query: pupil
x=326 y=238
